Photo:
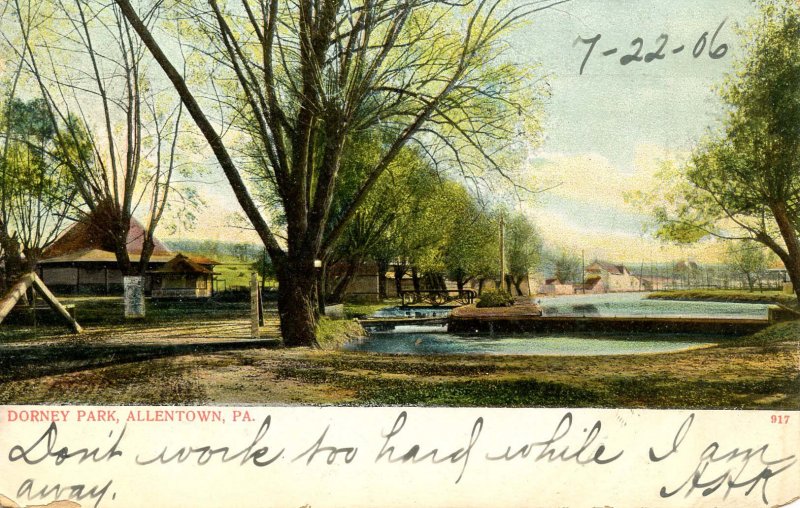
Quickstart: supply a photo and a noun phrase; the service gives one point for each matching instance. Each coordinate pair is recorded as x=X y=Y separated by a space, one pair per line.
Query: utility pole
x=641 y=275
x=502 y=251
x=583 y=271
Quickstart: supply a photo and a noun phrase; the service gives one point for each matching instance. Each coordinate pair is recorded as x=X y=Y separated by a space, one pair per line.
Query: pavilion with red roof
x=79 y=262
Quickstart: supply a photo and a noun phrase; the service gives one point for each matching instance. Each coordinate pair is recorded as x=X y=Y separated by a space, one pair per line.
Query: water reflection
x=427 y=340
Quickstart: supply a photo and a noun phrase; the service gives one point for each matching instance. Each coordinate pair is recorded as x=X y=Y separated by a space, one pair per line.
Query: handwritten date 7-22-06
x=715 y=51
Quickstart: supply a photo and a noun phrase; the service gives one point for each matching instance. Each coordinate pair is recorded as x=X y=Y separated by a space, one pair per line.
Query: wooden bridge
x=438 y=297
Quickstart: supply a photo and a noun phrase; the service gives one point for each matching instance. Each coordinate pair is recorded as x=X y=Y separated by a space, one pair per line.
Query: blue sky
x=607 y=130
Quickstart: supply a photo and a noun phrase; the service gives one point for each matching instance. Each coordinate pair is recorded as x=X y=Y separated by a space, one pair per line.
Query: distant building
x=656 y=282
x=364 y=280
x=777 y=270
x=615 y=278
x=182 y=277
x=556 y=287
x=594 y=284
x=78 y=262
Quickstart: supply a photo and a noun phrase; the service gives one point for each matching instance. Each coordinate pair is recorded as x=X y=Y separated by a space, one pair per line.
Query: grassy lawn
x=727 y=295
x=760 y=371
x=358 y=310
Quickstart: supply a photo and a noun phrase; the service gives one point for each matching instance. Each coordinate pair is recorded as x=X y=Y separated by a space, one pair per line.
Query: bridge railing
x=438 y=296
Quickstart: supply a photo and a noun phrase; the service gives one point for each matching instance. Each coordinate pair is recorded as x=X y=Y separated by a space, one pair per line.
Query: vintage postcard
x=405 y=253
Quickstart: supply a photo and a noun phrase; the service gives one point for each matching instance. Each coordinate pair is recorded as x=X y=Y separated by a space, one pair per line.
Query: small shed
x=182 y=277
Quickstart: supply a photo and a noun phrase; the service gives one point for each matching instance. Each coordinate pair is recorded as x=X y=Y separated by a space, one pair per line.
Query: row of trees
x=420 y=225
x=306 y=107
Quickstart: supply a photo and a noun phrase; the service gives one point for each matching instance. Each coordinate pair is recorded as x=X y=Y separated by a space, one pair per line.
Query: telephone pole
x=583 y=271
x=502 y=251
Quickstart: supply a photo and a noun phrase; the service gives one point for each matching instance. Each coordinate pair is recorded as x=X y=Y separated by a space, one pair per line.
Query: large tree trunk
x=399 y=272
x=790 y=257
x=297 y=302
x=337 y=295
x=518 y=284
x=147 y=252
x=12 y=254
x=415 y=279
x=383 y=267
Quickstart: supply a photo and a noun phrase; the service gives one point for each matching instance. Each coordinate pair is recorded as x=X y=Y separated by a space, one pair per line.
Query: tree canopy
x=743 y=180
x=304 y=79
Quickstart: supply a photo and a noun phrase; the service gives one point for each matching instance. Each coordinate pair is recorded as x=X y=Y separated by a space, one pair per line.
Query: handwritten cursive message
x=460 y=453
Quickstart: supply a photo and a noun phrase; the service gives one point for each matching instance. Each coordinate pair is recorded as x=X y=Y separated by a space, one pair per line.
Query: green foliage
x=523 y=246
x=743 y=181
x=36 y=189
x=497 y=298
x=567 y=267
x=472 y=249
x=747 y=259
x=334 y=333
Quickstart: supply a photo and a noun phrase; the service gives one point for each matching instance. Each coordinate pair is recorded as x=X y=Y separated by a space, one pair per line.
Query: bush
x=495 y=299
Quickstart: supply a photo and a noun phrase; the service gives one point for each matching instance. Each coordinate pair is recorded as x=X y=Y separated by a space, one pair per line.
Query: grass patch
x=787 y=332
x=375 y=390
x=155 y=382
x=672 y=392
x=726 y=295
x=496 y=298
x=503 y=393
x=334 y=333
x=91 y=311
x=360 y=310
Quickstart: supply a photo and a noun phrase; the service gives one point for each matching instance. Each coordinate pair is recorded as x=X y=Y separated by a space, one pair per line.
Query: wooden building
x=79 y=263
x=182 y=277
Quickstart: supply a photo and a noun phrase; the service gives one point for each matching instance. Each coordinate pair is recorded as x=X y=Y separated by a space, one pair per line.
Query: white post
x=134 y=296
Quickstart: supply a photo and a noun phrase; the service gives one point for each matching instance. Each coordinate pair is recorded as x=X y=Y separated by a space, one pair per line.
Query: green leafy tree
x=36 y=191
x=473 y=246
x=302 y=79
x=392 y=225
x=523 y=249
x=743 y=181
x=567 y=267
x=748 y=260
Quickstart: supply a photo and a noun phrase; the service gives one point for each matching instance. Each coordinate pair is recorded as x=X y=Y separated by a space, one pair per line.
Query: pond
x=635 y=304
x=613 y=304
x=435 y=339
x=426 y=340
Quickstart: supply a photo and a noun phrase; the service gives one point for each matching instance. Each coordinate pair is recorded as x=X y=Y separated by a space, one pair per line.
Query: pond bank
x=753 y=372
x=529 y=319
x=727 y=296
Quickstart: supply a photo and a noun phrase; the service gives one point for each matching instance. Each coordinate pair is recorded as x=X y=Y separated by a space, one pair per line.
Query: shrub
x=495 y=299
